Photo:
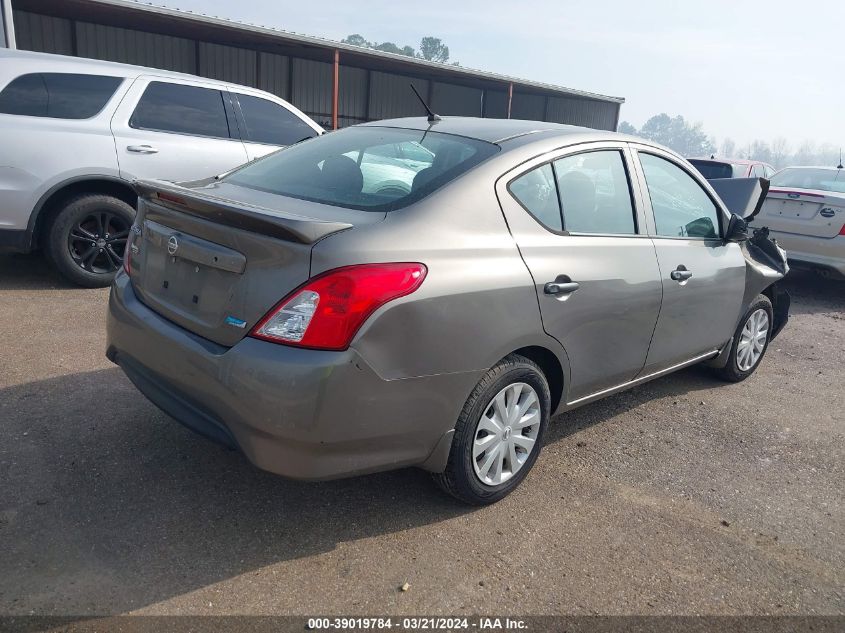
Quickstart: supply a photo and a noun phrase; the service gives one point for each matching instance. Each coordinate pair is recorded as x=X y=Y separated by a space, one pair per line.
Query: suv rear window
x=268 y=122
x=712 y=170
x=167 y=107
x=58 y=95
x=369 y=168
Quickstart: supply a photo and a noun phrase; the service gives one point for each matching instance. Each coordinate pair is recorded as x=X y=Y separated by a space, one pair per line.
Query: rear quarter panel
x=477 y=303
x=39 y=153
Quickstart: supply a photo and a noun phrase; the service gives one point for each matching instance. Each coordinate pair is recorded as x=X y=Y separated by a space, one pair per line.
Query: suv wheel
x=499 y=433
x=751 y=340
x=87 y=239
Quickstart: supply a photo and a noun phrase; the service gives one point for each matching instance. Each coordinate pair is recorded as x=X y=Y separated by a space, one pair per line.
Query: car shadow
x=812 y=293
x=95 y=483
x=29 y=272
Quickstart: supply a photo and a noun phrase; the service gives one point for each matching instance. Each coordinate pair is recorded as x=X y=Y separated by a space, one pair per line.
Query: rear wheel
x=750 y=342
x=87 y=239
x=499 y=433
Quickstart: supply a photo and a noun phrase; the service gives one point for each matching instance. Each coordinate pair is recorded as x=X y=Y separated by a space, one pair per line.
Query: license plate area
x=792 y=209
x=189 y=276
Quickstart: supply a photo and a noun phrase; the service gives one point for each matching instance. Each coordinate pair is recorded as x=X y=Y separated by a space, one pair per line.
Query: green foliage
x=431 y=48
x=627 y=128
x=356 y=40
x=688 y=139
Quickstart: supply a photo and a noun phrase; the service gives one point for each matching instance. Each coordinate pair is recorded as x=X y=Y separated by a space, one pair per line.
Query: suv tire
x=495 y=443
x=86 y=239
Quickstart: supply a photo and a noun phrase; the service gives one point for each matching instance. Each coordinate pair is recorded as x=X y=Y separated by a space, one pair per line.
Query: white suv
x=77 y=132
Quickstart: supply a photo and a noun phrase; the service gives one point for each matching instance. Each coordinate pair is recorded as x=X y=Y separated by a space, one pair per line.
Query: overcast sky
x=746 y=69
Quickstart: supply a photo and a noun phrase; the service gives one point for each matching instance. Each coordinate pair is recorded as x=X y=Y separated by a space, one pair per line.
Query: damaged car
x=327 y=326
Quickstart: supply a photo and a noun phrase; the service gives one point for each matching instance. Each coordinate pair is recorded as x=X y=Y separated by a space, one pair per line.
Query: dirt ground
x=683 y=496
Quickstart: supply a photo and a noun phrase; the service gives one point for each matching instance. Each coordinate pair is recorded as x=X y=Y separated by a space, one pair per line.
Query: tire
x=86 y=239
x=740 y=366
x=465 y=476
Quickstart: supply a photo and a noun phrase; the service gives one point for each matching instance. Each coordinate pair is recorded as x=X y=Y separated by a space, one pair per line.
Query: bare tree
x=780 y=151
x=728 y=148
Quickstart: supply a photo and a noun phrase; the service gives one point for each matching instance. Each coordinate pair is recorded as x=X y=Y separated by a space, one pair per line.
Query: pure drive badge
x=230 y=320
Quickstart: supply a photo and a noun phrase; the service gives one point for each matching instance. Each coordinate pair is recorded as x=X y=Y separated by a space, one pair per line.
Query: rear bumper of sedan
x=304 y=414
x=820 y=252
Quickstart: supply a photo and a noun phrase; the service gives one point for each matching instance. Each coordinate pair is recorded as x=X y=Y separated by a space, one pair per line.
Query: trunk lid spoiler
x=241 y=215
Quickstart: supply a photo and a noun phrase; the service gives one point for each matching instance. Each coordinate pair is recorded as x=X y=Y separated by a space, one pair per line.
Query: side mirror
x=737 y=230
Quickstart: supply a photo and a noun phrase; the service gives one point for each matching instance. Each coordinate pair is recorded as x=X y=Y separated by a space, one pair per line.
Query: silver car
x=805 y=210
x=327 y=328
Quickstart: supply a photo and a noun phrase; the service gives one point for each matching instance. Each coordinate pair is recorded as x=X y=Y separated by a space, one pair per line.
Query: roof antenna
x=839 y=166
x=431 y=116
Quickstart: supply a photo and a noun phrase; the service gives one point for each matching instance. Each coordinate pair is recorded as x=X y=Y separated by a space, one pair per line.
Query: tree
x=728 y=148
x=627 y=128
x=432 y=49
x=805 y=154
x=685 y=138
x=356 y=40
x=760 y=150
x=780 y=151
x=389 y=47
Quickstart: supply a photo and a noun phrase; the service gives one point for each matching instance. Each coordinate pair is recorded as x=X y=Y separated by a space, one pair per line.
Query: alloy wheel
x=752 y=340
x=96 y=243
x=506 y=434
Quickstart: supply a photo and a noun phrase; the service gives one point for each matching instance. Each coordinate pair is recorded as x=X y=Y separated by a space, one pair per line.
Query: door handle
x=560 y=287
x=680 y=274
x=142 y=149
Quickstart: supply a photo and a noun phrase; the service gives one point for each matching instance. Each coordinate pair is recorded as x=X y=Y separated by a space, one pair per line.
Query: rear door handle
x=560 y=287
x=680 y=274
x=142 y=149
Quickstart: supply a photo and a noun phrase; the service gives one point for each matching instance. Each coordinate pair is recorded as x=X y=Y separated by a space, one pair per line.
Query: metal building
x=336 y=84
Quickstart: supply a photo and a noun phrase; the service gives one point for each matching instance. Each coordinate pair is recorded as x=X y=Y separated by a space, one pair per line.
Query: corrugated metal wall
x=391 y=95
x=227 y=63
x=455 y=100
x=363 y=94
x=595 y=114
x=136 y=47
x=312 y=88
x=43 y=33
x=274 y=74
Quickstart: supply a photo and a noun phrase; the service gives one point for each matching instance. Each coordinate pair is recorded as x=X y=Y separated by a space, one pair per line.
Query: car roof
x=729 y=161
x=29 y=61
x=496 y=130
x=827 y=167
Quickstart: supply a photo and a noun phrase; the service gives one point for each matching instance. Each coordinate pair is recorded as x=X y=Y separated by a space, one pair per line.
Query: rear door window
x=270 y=123
x=58 y=95
x=681 y=207
x=169 y=107
x=537 y=193
x=594 y=193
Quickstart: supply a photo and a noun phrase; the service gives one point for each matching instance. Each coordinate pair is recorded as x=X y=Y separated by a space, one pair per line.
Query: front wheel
x=750 y=341
x=499 y=433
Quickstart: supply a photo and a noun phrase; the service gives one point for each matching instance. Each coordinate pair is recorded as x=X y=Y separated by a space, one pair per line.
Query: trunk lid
x=214 y=257
x=803 y=211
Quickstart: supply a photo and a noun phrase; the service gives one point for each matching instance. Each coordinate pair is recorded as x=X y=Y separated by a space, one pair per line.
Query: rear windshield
x=367 y=168
x=820 y=179
x=712 y=170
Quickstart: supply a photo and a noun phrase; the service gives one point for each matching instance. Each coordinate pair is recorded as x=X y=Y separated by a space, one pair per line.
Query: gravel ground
x=683 y=496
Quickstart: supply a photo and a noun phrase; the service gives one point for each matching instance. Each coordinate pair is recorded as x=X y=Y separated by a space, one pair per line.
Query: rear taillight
x=127 y=250
x=842 y=230
x=329 y=309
